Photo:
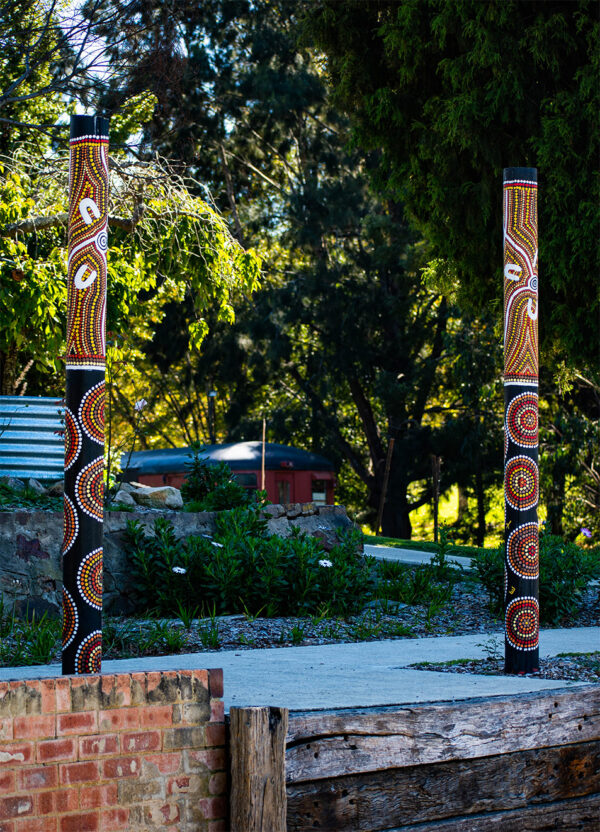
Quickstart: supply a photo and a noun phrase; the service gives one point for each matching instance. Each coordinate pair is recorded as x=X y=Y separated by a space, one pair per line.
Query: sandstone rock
x=124 y=497
x=129 y=487
x=13 y=482
x=163 y=497
x=36 y=486
x=308 y=509
x=293 y=509
x=57 y=489
x=274 y=511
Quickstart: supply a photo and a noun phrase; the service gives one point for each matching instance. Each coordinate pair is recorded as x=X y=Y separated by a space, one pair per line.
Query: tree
x=452 y=91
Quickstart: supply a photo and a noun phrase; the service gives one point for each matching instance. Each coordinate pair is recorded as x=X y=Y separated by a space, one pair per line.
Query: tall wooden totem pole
x=521 y=477
x=84 y=412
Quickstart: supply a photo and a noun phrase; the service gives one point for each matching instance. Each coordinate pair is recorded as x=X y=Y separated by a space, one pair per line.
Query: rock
x=308 y=509
x=124 y=497
x=36 y=486
x=163 y=497
x=274 y=511
x=57 y=489
x=13 y=482
x=293 y=509
x=385 y=606
x=129 y=487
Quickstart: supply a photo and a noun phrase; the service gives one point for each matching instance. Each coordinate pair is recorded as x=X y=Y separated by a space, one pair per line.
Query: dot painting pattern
x=522 y=551
x=521 y=482
x=85 y=358
x=523 y=623
x=522 y=420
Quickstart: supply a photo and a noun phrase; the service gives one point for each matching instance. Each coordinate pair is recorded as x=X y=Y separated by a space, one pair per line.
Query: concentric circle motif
x=70 y=525
x=89 y=489
x=89 y=653
x=521 y=483
x=72 y=439
x=89 y=579
x=522 y=420
x=522 y=623
x=505 y=444
x=91 y=413
x=523 y=549
x=70 y=619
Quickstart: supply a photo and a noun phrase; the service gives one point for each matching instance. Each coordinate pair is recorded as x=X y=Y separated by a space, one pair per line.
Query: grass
x=426 y=546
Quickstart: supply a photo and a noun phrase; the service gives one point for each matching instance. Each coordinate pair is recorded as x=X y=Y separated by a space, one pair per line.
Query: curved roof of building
x=239 y=455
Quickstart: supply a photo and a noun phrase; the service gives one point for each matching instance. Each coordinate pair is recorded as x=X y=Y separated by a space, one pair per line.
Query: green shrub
x=565 y=572
x=211 y=487
x=242 y=569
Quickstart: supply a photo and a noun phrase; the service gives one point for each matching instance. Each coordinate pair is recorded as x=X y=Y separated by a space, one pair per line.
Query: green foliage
x=30 y=640
x=565 y=573
x=453 y=91
x=11 y=498
x=211 y=487
x=243 y=570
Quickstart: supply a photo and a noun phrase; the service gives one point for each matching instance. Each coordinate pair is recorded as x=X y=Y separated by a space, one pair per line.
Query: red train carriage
x=291 y=474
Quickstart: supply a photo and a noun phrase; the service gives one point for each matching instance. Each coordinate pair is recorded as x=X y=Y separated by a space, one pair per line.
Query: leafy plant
x=210 y=486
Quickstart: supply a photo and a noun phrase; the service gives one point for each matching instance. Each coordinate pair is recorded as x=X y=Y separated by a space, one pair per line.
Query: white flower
x=179 y=570
x=325 y=562
x=218 y=545
x=140 y=405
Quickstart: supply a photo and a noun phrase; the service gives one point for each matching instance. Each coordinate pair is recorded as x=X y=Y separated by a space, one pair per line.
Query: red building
x=291 y=474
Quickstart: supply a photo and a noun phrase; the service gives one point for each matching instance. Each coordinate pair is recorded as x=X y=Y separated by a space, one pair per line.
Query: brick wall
x=131 y=751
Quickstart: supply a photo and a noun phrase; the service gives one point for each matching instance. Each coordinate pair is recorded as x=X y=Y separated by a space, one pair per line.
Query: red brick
x=79 y=772
x=154 y=679
x=50 y=751
x=7 y=826
x=213 y=807
x=98 y=745
x=113 y=819
x=98 y=797
x=58 y=801
x=201 y=676
x=48 y=696
x=40 y=777
x=119 y=719
x=118 y=767
x=63 y=695
x=36 y=825
x=34 y=727
x=218 y=783
x=7 y=781
x=215 y=733
x=123 y=690
x=217 y=710
x=165 y=763
x=215 y=677
x=176 y=785
x=156 y=716
x=212 y=759
x=143 y=741
x=218 y=826
x=6 y=729
x=15 y=807
x=16 y=753
x=81 y=822
x=85 y=722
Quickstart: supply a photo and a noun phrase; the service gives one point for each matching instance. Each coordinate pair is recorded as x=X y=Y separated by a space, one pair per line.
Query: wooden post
x=386 y=479
x=262 y=461
x=84 y=411
x=521 y=475
x=257 y=747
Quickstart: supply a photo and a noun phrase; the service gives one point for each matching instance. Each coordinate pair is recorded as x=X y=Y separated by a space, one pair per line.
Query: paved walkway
x=352 y=675
x=410 y=556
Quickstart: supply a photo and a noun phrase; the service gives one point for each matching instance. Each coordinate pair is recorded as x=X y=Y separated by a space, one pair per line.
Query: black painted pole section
x=521 y=476
x=84 y=412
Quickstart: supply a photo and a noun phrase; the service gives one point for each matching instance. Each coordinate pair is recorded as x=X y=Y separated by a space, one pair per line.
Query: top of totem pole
x=520 y=174
x=82 y=126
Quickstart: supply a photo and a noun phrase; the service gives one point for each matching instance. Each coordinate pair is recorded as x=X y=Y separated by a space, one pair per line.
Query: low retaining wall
x=519 y=762
x=30 y=546
x=129 y=751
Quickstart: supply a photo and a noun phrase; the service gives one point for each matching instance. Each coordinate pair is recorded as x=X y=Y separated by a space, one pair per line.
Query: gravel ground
x=579 y=667
x=467 y=614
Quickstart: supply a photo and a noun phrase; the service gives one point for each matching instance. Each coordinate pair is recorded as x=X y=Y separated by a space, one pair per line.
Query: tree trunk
x=463 y=503
x=556 y=502
x=8 y=371
x=480 y=505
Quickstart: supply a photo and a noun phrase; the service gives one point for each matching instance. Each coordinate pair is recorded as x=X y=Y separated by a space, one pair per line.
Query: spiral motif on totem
x=89 y=653
x=522 y=623
x=89 y=489
x=523 y=550
x=91 y=413
x=70 y=621
x=72 y=439
x=521 y=483
x=522 y=420
x=70 y=524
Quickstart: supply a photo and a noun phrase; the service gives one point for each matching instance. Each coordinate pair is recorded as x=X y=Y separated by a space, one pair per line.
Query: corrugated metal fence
x=31 y=437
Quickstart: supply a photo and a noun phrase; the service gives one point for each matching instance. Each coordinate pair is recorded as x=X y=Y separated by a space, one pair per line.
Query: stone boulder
x=36 y=487
x=124 y=498
x=57 y=489
x=164 y=496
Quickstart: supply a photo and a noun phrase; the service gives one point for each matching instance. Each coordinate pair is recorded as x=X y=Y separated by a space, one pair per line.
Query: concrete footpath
x=410 y=556
x=352 y=675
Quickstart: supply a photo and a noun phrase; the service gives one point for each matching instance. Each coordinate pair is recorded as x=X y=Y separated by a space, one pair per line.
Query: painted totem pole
x=521 y=478
x=84 y=411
